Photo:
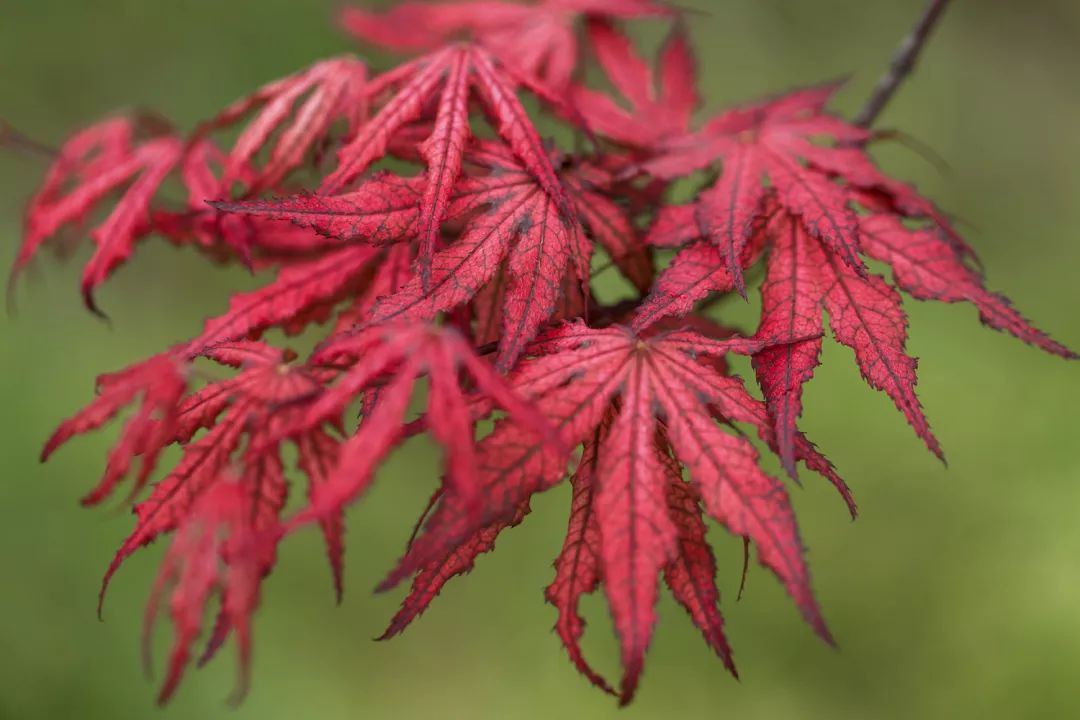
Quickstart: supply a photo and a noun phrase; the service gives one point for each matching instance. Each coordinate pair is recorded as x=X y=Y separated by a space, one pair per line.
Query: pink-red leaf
x=927 y=267
x=92 y=165
x=865 y=314
x=296 y=289
x=691 y=576
x=790 y=309
x=410 y=350
x=539 y=39
x=158 y=384
x=660 y=107
x=577 y=569
x=334 y=89
x=579 y=376
x=727 y=211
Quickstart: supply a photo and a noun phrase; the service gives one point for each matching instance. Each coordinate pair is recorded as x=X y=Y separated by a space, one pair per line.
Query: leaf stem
x=903 y=62
x=12 y=138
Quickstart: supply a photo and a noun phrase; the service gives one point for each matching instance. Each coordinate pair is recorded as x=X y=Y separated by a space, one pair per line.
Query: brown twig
x=902 y=64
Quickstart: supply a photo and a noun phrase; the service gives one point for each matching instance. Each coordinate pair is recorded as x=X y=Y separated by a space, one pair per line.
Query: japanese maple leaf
x=513 y=221
x=229 y=409
x=690 y=574
x=803 y=279
x=309 y=285
x=157 y=384
x=927 y=265
x=384 y=363
x=660 y=106
x=92 y=165
x=327 y=91
x=618 y=392
x=865 y=313
x=509 y=218
x=303 y=291
x=132 y=157
x=447 y=77
x=223 y=500
x=111 y=159
x=779 y=139
x=257 y=242
x=218 y=547
x=539 y=39
x=698 y=268
x=322 y=94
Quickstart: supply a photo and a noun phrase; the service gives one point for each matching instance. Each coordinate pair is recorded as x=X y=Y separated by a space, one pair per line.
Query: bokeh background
x=956 y=594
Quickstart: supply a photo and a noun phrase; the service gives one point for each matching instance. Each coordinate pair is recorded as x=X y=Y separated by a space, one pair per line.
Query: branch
x=902 y=64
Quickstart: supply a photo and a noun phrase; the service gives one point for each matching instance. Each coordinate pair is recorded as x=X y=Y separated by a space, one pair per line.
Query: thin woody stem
x=903 y=62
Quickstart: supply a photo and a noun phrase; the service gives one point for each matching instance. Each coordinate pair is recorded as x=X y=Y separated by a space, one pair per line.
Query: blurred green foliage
x=956 y=594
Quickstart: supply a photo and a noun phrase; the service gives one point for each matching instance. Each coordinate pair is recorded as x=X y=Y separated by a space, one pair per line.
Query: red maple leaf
x=538 y=38
x=384 y=362
x=92 y=165
x=513 y=220
x=223 y=236
x=698 y=268
x=661 y=106
x=779 y=139
x=927 y=266
x=329 y=90
x=157 y=384
x=448 y=77
x=803 y=279
x=508 y=217
x=585 y=380
x=218 y=547
x=229 y=408
x=303 y=291
x=214 y=510
x=132 y=157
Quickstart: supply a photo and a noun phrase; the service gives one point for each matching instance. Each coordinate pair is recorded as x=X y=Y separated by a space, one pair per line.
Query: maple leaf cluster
x=440 y=249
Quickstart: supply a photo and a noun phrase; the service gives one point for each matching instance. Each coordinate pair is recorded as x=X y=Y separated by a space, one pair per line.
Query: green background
x=956 y=594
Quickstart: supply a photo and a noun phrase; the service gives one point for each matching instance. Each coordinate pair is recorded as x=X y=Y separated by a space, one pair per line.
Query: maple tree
x=444 y=249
